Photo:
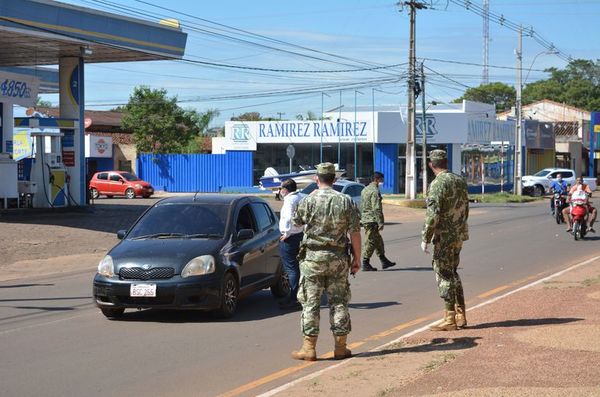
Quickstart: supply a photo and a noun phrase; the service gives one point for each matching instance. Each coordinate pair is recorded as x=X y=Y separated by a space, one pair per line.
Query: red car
x=119 y=183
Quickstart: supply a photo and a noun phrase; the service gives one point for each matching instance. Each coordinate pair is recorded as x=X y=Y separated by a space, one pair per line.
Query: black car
x=196 y=252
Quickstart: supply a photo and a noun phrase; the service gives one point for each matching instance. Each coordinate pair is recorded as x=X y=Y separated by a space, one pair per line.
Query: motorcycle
x=559 y=204
x=579 y=214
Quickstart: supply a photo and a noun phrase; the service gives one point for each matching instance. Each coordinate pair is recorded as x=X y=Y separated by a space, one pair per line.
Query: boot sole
x=304 y=358
x=444 y=329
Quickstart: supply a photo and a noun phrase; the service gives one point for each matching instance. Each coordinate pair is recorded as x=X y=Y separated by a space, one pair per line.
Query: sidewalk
x=540 y=341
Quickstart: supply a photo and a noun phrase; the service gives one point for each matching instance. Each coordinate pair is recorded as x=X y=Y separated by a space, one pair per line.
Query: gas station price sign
x=18 y=89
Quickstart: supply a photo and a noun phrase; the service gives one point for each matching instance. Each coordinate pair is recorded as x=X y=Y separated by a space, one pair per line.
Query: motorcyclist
x=558 y=186
x=580 y=188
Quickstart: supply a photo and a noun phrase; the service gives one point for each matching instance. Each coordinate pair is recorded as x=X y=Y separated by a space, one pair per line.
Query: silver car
x=352 y=189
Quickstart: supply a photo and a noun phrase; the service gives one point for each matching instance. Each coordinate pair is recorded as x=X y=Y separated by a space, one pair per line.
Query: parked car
x=193 y=252
x=539 y=183
x=119 y=183
x=352 y=189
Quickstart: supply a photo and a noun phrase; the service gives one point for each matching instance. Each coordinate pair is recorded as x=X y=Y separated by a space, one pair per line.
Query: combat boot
x=307 y=352
x=448 y=324
x=385 y=262
x=341 y=351
x=366 y=266
x=460 y=317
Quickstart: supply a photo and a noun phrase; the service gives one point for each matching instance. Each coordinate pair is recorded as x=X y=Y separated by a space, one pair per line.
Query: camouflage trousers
x=331 y=278
x=446 y=258
x=373 y=241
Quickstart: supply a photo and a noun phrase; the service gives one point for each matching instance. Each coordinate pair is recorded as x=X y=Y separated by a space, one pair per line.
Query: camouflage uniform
x=446 y=226
x=372 y=219
x=324 y=259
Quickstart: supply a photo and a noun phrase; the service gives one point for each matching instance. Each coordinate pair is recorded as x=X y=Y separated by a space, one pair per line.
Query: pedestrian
x=446 y=227
x=289 y=242
x=371 y=219
x=329 y=218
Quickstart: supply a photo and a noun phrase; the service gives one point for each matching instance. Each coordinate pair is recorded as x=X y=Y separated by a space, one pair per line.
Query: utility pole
x=280 y=114
x=321 y=132
x=518 y=188
x=423 y=130
x=411 y=180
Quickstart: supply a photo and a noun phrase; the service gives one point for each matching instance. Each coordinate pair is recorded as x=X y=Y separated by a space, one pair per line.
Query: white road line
x=424 y=328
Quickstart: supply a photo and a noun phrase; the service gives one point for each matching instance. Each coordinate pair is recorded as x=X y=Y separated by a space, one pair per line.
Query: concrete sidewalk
x=543 y=340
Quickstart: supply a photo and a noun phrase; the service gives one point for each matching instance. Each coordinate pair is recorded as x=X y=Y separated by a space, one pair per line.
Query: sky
x=336 y=35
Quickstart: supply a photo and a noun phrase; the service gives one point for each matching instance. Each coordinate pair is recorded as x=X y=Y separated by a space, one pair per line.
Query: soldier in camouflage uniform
x=329 y=217
x=446 y=226
x=371 y=218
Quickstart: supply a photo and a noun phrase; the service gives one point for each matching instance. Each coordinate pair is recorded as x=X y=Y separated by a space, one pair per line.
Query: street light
x=322 y=113
x=534 y=59
x=354 y=132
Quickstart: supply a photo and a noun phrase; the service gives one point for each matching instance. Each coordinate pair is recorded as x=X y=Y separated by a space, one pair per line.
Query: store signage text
x=311 y=129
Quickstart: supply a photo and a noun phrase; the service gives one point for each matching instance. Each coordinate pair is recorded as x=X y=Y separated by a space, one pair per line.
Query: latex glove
x=424 y=248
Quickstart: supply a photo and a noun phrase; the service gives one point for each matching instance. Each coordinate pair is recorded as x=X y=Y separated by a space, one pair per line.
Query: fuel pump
x=48 y=171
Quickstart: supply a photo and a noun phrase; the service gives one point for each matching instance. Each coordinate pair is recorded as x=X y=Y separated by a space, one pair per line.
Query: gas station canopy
x=39 y=32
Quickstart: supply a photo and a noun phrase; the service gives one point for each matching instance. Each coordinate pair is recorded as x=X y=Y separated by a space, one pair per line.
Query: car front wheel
x=129 y=193
x=229 y=296
x=112 y=313
x=94 y=193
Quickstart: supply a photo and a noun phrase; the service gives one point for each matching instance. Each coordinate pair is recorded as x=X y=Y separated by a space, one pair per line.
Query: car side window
x=264 y=217
x=553 y=175
x=245 y=219
x=102 y=176
x=115 y=178
x=567 y=174
x=353 y=191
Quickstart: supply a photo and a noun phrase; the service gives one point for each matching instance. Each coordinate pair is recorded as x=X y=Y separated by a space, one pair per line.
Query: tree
x=577 y=85
x=249 y=116
x=159 y=125
x=42 y=103
x=500 y=94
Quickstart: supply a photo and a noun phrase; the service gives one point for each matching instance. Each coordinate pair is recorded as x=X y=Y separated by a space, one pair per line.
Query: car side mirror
x=245 y=234
x=121 y=234
x=122 y=181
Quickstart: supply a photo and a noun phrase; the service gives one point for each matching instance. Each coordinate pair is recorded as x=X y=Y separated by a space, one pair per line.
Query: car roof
x=346 y=182
x=219 y=199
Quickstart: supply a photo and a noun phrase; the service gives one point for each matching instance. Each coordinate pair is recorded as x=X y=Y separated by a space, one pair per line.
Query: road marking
x=287 y=371
x=493 y=291
x=286 y=386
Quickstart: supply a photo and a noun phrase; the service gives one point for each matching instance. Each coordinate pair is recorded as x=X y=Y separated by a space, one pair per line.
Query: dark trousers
x=289 y=249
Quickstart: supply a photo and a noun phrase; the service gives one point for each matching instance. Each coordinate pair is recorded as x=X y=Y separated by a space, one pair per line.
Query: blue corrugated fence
x=208 y=173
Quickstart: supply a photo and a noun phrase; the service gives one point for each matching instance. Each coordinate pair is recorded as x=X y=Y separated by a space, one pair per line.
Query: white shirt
x=290 y=203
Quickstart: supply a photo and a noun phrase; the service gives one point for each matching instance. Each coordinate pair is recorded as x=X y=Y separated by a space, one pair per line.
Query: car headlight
x=198 y=266
x=138 y=186
x=106 y=267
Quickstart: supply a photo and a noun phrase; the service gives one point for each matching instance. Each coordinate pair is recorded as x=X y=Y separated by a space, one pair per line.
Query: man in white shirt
x=291 y=237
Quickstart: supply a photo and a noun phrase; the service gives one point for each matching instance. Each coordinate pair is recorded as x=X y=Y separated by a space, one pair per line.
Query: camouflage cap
x=437 y=154
x=326 y=169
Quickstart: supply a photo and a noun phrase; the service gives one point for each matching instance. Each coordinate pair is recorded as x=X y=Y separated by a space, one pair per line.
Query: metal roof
x=39 y=32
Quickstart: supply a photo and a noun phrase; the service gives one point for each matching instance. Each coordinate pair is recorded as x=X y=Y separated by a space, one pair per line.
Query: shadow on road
x=25 y=285
x=436 y=344
x=411 y=269
x=258 y=306
x=529 y=322
x=46 y=308
x=46 y=299
x=373 y=305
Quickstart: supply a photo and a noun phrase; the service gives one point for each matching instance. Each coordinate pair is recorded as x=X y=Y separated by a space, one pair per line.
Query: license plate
x=143 y=290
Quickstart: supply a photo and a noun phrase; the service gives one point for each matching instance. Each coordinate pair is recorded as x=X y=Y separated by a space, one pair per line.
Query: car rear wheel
x=538 y=191
x=129 y=193
x=281 y=288
x=112 y=313
x=94 y=193
x=229 y=296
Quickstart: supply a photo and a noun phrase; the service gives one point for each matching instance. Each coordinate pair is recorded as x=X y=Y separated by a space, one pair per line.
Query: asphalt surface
x=54 y=342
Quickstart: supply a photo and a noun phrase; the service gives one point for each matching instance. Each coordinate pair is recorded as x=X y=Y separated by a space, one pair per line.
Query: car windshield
x=313 y=186
x=338 y=188
x=130 y=177
x=542 y=173
x=182 y=221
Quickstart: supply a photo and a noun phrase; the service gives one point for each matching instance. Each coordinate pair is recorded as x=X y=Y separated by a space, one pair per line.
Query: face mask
x=380 y=184
x=559 y=180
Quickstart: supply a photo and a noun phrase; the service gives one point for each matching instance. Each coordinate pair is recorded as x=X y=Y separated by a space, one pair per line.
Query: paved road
x=53 y=342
